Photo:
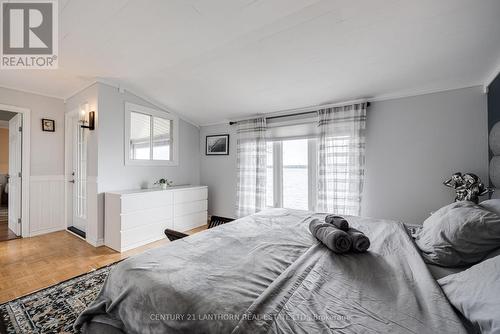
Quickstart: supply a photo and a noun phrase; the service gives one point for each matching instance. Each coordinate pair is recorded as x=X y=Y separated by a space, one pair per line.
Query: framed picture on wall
x=217 y=145
x=48 y=125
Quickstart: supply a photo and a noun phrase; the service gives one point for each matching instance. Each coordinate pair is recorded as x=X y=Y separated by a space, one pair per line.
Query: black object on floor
x=216 y=221
x=77 y=231
x=174 y=235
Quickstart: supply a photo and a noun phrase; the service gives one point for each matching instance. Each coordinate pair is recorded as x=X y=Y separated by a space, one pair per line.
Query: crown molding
x=79 y=90
x=31 y=92
x=384 y=97
x=378 y=98
x=414 y=93
x=122 y=88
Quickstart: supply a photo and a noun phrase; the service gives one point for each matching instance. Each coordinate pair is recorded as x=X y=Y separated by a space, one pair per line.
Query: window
x=270 y=177
x=162 y=128
x=151 y=136
x=295 y=174
x=291 y=173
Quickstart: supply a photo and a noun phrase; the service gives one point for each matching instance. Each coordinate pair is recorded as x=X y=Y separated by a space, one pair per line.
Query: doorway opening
x=11 y=125
x=76 y=173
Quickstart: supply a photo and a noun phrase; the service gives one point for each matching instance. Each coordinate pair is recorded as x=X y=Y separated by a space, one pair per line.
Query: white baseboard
x=45 y=231
x=96 y=243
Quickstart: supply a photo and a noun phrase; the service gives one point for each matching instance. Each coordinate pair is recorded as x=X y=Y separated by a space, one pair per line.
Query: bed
x=266 y=274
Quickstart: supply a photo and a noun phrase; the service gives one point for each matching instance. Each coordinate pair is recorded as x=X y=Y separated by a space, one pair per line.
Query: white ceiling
x=212 y=60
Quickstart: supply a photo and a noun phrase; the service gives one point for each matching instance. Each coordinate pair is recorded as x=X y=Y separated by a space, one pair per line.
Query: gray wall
x=106 y=153
x=219 y=172
x=413 y=144
x=47 y=148
x=112 y=172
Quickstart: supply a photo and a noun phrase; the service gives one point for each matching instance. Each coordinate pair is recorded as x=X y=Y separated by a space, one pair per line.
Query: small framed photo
x=217 y=145
x=48 y=125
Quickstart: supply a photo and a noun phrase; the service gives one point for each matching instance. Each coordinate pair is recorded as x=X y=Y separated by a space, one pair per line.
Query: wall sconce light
x=90 y=124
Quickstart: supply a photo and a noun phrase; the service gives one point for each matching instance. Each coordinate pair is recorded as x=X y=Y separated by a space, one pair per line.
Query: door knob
x=72 y=181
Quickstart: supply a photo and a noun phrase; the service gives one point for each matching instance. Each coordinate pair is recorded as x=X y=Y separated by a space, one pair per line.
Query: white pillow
x=459 y=234
x=492 y=204
x=475 y=292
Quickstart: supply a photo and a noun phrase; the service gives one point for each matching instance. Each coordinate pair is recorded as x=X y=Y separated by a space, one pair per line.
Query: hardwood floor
x=5 y=232
x=31 y=264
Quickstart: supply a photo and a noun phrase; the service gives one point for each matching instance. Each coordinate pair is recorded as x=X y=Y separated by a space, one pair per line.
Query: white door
x=15 y=168
x=79 y=174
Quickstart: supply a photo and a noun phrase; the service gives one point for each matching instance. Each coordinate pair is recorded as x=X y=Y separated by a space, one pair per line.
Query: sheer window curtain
x=341 y=159
x=251 y=165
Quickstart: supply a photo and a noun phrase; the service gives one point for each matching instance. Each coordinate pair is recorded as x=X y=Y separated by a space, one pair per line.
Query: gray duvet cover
x=266 y=274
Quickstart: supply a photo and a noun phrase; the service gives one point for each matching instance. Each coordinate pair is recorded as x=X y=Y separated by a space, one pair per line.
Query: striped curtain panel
x=251 y=165
x=341 y=159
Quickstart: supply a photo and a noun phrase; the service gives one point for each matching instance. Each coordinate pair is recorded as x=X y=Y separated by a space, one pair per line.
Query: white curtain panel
x=341 y=159
x=251 y=164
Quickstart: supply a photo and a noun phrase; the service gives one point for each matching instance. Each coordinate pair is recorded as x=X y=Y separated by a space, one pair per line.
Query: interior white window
x=295 y=174
x=291 y=173
x=269 y=176
x=151 y=136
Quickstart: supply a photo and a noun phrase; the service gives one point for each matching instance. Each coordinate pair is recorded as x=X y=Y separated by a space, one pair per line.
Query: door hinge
x=20 y=129
x=19 y=220
x=20 y=174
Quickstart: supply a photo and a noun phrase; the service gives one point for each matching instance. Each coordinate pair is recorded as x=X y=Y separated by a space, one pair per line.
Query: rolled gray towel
x=315 y=224
x=335 y=239
x=360 y=242
x=338 y=222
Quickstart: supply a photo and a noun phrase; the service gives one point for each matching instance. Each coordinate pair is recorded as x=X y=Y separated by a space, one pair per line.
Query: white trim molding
x=383 y=97
x=174 y=161
x=31 y=92
x=26 y=169
x=122 y=88
x=96 y=243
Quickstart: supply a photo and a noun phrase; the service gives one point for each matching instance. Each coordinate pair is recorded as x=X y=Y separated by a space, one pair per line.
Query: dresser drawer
x=135 y=218
x=187 y=208
x=148 y=200
x=191 y=195
x=188 y=222
x=145 y=217
x=143 y=235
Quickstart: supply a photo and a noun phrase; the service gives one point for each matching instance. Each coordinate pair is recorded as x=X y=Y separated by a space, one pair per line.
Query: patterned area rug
x=54 y=309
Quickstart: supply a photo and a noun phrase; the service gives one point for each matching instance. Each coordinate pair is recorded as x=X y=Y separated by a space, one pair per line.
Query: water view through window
x=288 y=174
x=295 y=174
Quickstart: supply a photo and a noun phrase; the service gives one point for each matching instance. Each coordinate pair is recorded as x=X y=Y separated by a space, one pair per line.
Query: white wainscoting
x=95 y=233
x=46 y=204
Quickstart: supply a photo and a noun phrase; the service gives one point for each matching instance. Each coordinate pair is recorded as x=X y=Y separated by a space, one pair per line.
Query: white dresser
x=137 y=217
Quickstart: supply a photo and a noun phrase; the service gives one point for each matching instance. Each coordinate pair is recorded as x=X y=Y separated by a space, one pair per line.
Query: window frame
x=312 y=156
x=174 y=161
